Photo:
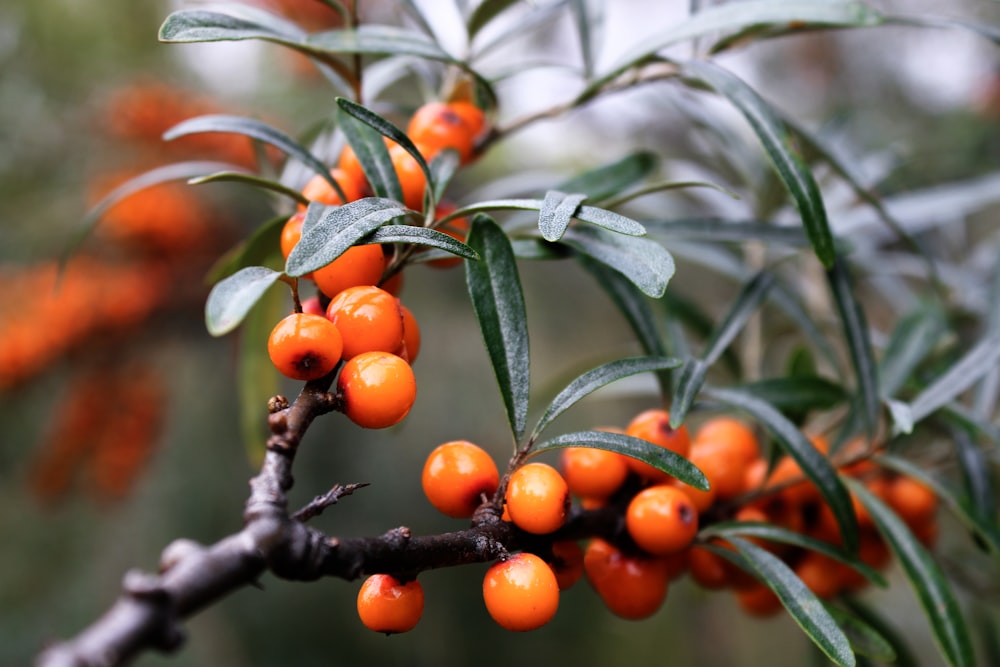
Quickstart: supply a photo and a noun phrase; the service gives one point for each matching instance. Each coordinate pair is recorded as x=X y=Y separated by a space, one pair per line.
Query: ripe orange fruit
x=662 y=520
x=411 y=177
x=386 y=605
x=319 y=190
x=358 y=265
x=592 y=472
x=758 y=600
x=537 y=498
x=521 y=593
x=632 y=587
x=378 y=389
x=411 y=335
x=739 y=440
x=456 y=475
x=912 y=501
x=471 y=115
x=709 y=569
x=369 y=319
x=304 y=346
x=654 y=426
x=437 y=126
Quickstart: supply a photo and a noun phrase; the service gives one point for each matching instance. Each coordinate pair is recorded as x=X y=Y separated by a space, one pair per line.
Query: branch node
x=143 y=586
x=278 y=422
x=277 y=404
x=177 y=551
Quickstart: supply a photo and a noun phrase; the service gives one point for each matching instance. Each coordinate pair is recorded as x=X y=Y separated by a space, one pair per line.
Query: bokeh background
x=119 y=415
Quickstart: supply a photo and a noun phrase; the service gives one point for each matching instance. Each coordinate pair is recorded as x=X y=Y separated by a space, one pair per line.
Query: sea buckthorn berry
x=291 y=233
x=654 y=426
x=739 y=440
x=521 y=593
x=455 y=477
x=662 y=520
x=318 y=189
x=313 y=306
x=592 y=472
x=707 y=568
x=632 y=587
x=537 y=498
x=411 y=335
x=722 y=464
x=567 y=563
x=386 y=605
x=758 y=600
x=912 y=501
x=378 y=389
x=437 y=126
x=369 y=319
x=702 y=500
x=411 y=177
x=304 y=346
x=358 y=265
x=820 y=574
x=474 y=117
x=788 y=469
x=350 y=166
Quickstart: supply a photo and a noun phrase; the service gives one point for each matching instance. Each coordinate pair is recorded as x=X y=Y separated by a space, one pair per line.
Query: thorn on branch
x=331 y=497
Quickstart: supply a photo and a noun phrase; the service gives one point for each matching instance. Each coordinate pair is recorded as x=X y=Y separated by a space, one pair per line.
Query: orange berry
x=303 y=346
x=351 y=168
x=386 y=605
x=411 y=335
x=378 y=389
x=722 y=464
x=456 y=475
x=358 y=265
x=654 y=426
x=537 y=498
x=820 y=574
x=437 y=126
x=738 y=439
x=472 y=115
x=411 y=177
x=708 y=568
x=662 y=520
x=369 y=319
x=291 y=233
x=313 y=307
x=758 y=600
x=592 y=472
x=912 y=501
x=567 y=563
x=521 y=593
x=319 y=190
x=632 y=587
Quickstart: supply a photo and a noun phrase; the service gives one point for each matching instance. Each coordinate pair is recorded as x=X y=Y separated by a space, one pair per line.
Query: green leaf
x=369 y=147
x=232 y=298
x=777 y=142
x=421 y=236
x=258 y=379
x=982 y=29
x=746 y=304
x=250 y=179
x=813 y=463
x=230 y=22
x=688 y=383
x=588 y=17
x=864 y=639
x=660 y=458
x=379 y=40
x=646 y=263
x=974 y=364
x=775 y=533
x=495 y=291
x=609 y=180
x=610 y=220
x=338 y=229
x=179 y=171
x=596 y=378
x=636 y=308
x=852 y=319
x=558 y=209
x=258 y=130
x=797 y=393
x=261 y=248
x=485 y=12
x=904 y=658
x=926 y=578
x=977 y=482
x=804 y=607
x=913 y=338
x=443 y=167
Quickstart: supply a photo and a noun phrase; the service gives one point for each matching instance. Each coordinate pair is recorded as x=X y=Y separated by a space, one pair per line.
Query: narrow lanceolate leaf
x=250 y=179
x=926 y=578
x=645 y=262
x=660 y=458
x=797 y=393
x=495 y=290
x=558 y=209
x=865 y=639
x=610 y=180
x=254 y=129
x=981 y=524
x=746 y=304
x=982 y=358
x=421 y=236
x=742 y=15
x=226 y=23
x=977 y=482
x=339 y=228
x=898 y=642
x=688 y=383
x=774 y=533
x=777 y=142
x=232 y=298
x=588 y=16
x=804 y=607
x=852 y=320
x=485 y=12
x=596 y=378
x=637 y=311
x=443 y=167
x=813 y=463
x=610 y=220
x=913 y=338
x=369 y=147
x=172 y=172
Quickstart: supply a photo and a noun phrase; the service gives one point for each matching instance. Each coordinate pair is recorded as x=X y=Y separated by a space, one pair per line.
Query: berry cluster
x=657 y=538
x=356 y=316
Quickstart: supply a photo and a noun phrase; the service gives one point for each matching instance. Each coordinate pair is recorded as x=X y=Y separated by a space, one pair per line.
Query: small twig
x=331 y=497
